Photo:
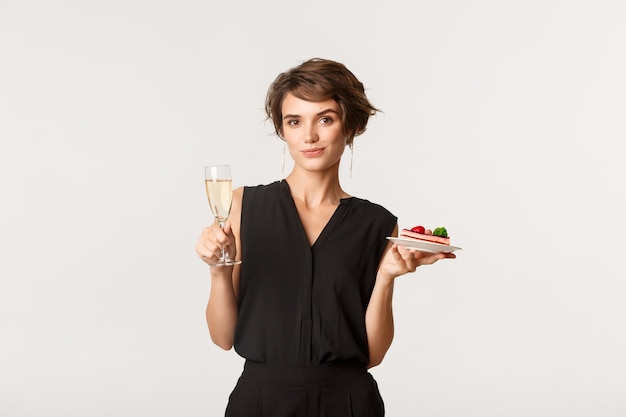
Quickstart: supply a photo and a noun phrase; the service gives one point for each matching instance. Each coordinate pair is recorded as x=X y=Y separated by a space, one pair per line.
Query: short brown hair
x=318 y=80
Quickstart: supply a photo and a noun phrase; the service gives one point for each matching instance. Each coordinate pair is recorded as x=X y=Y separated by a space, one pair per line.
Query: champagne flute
x=219 y=190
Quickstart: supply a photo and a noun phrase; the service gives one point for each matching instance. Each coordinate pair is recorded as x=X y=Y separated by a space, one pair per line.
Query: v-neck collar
x=343 y=204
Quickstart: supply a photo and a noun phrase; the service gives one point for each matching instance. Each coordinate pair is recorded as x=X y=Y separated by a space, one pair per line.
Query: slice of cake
x=439 y=235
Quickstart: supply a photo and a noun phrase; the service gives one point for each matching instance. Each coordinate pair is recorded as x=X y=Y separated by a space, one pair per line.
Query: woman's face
x=313 y=132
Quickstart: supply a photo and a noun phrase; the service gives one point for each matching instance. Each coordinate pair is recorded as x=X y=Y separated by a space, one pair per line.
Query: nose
x=311 y=134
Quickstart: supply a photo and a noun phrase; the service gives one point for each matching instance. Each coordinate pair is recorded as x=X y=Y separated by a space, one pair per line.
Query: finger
x=406 y=258
x=206 y=254
x=219 y=236
x=227 y=227
x=398 y=257
x=228 y=230
x=404 y=253
x=431 y=258
x=208 y=246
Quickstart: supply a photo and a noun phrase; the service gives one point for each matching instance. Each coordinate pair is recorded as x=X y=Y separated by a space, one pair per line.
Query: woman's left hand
x=399 y=260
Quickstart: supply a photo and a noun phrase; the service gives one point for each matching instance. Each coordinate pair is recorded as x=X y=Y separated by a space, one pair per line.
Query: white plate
x=423 y=246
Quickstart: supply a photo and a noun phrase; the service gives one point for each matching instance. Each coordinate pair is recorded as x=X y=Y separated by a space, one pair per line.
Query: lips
x=311 y=153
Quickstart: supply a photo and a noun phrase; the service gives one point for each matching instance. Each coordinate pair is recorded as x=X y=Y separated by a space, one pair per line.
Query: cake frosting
x=420 y=233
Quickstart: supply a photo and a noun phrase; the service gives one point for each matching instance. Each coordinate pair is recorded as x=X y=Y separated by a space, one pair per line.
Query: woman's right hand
x=211 y=240
x=221 y=310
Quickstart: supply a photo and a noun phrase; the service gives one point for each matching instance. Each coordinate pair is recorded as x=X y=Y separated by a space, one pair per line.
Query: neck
x=314 y=188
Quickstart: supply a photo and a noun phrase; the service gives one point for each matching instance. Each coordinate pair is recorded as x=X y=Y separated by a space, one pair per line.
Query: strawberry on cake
x=439 y=235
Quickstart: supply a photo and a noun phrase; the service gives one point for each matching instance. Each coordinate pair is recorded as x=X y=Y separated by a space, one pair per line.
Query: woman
x=310 y=307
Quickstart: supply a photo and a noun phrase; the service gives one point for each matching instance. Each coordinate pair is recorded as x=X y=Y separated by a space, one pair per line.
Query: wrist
x=385 y=279
x=221 y=273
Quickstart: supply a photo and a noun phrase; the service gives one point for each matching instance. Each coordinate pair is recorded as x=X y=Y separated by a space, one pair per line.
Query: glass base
x=226 y=262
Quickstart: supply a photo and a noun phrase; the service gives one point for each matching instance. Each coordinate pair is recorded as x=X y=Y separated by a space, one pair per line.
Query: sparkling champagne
x=220 y=195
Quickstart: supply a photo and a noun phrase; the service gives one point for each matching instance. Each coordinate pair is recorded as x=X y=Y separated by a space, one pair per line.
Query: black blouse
x=302 y=304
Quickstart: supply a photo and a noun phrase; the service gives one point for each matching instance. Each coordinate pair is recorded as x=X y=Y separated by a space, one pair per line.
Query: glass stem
x=223 y=258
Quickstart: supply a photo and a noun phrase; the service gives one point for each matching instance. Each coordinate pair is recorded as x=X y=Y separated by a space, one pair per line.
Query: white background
x=503 y=121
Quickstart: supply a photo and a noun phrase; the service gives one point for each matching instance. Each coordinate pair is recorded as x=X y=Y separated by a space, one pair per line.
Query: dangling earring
x=351 y=157
x=282 y=171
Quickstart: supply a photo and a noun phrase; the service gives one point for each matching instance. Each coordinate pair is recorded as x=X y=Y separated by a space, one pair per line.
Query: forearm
x=221 y=311
x=379 y=320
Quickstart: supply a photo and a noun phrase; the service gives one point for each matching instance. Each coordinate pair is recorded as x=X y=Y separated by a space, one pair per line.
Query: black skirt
x=331 y=390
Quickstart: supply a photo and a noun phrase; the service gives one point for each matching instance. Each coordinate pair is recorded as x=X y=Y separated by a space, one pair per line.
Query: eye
x=326 y=120
x=292 y=122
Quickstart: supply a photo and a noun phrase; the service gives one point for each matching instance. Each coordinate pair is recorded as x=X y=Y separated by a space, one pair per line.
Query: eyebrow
x=323 y=112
